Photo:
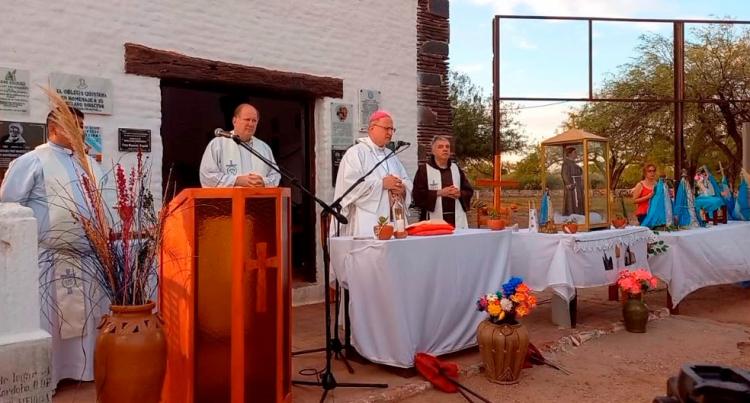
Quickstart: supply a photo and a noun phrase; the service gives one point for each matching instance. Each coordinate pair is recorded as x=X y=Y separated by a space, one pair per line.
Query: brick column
x=434 y=109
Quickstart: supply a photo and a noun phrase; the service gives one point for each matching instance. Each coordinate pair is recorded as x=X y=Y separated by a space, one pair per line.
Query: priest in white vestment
x=47 y=180
x=441 y=189
x=226 y=164
x=372 y=198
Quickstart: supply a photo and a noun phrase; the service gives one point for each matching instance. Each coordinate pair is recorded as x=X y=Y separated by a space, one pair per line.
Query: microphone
x=223 y=133
x=395 y=145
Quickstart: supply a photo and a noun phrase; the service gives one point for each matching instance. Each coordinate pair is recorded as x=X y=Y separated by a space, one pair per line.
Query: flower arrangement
x=513 y=301
x=636 y=282
x=121 y=228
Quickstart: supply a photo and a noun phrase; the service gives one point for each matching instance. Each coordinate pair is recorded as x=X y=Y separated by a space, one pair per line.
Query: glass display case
x=575 y=170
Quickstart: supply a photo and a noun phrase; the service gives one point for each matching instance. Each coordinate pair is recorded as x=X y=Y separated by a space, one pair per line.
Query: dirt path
x=619 y=367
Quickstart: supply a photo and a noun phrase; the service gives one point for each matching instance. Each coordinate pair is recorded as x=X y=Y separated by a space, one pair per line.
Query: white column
x=25 y=349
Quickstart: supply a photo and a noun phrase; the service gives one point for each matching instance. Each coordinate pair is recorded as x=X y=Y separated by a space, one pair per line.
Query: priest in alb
x=441 y=189
x=47 y=180
x=372 y=198
x=226 y=164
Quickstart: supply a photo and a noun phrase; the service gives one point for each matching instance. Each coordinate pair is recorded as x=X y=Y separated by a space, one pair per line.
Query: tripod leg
x=335 y=342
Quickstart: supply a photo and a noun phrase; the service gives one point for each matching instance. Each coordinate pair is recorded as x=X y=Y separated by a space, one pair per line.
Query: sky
x=549 y=58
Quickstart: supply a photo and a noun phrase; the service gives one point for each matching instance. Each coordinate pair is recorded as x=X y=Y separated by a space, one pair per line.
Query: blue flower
x=509 y=288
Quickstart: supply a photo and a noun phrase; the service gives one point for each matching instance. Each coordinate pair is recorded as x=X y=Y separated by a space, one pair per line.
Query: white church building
x=163 y=75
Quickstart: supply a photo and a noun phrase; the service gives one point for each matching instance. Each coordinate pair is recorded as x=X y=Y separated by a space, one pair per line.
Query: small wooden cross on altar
x=496 y=183
x=261 y=264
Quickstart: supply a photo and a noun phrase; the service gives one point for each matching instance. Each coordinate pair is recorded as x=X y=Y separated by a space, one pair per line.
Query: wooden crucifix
x=260 y=264
x=496 y=183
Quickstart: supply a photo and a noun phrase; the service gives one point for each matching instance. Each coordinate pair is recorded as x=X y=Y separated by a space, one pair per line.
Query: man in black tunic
x=441 y=189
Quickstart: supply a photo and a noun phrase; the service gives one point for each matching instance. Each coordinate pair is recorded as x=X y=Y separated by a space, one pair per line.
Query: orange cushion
x=430 y=228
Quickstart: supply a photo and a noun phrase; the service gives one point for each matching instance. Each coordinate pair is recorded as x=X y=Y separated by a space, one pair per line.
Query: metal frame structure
x=678 y=100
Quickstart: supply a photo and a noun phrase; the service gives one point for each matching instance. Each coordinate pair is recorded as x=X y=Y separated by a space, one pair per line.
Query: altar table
x=418 y=294
x=701 y=257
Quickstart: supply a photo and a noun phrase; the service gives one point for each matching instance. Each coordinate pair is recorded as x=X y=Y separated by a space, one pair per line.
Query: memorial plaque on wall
x=132 y=140
x=369 y=102
x=89 y=94
x=93 y=141
x=14 y=90
x=18 y=138
x=342 y=126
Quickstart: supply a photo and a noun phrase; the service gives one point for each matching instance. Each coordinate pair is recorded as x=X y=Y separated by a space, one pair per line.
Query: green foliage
x=716 y=67
x=472 y=121
x=528 y=171
x=657 y=248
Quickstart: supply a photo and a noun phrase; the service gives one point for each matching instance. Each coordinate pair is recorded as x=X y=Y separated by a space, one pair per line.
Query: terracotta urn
x=131 y=355
x=619 y=222
x=570 y=228
x=496 y=224
x=503 y=348
x=383 y=232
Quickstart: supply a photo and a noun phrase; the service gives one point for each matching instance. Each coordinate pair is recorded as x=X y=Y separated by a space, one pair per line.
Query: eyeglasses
x=386 y=128
x=650 y=170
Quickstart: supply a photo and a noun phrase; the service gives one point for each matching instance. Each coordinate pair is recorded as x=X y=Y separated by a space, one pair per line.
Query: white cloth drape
x=566 y=261
x=702 y=257
x=418 y=294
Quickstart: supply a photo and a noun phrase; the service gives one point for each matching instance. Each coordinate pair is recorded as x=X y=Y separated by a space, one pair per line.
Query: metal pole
x=496 y=111
x=591 y=61
x=679 y=96
x=746 y=146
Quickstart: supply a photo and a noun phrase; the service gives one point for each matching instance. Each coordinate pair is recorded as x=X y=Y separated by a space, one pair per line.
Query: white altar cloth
x=566 y=261
x=702 y=257
x=419 y=294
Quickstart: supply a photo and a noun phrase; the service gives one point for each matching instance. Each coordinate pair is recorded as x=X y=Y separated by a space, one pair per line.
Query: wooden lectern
x=225 y=296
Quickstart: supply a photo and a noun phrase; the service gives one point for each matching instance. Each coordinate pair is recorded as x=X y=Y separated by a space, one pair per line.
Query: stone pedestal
x=564 y=312
x=25 y=349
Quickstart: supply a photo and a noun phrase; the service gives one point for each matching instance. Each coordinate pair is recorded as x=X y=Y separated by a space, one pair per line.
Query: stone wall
x=433 y=37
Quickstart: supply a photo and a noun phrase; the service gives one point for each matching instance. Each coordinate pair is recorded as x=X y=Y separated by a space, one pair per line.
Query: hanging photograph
x=18 y=138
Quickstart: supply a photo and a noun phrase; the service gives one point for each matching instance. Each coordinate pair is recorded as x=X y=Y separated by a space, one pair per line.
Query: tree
x=528 y=171
x=716 y=70
x=472 y=121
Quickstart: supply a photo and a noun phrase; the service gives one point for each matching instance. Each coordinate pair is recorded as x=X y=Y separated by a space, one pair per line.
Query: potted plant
x=495 y=223
x=570 y=226
x=383 y=230
x=117 y=246
x=633 y=284
x=503 y=341
x=620 y=221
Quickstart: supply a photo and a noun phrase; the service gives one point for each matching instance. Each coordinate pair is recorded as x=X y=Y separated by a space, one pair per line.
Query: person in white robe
x=47 y=180
x=226 y=164
x=372 y=198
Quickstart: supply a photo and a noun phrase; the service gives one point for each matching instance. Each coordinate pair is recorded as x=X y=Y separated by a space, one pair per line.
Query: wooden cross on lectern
x=261 y=264
x=496 y=183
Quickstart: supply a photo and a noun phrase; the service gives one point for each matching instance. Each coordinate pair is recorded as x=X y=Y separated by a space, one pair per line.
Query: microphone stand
x=292 y=179
x=327 y=380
